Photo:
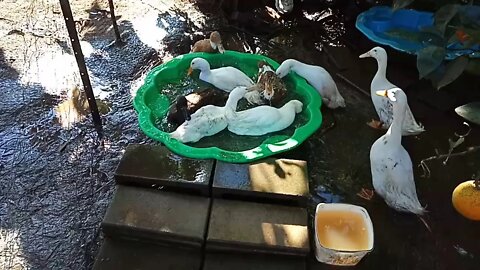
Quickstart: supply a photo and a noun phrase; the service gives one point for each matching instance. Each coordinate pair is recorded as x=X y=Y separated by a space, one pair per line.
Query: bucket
x=336 y=256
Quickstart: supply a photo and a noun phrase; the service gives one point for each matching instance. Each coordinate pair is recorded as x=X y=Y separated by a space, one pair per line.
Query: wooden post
x=77 y=49
x=118 y=39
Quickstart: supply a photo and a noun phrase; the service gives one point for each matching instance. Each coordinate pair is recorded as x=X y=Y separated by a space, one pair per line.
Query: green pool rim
x=146 y=118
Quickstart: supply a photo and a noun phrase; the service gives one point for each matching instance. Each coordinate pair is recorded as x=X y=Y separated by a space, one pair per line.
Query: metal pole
x=87 y=87
x=118 y=40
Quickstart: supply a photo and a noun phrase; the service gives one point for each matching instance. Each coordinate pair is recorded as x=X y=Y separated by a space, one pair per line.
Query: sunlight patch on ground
x=148 y=31
x=11 y=256
x=57 y=72
x=54 y=70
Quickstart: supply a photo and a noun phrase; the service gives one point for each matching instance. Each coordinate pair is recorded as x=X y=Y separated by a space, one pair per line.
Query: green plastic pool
x=152 y=102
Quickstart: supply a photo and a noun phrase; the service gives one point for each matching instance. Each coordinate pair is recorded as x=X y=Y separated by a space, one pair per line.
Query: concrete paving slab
x=156 y=166
x=119 y=254
x=258 y=228
x=149 y=214
x=271 y=180
x=241 y=261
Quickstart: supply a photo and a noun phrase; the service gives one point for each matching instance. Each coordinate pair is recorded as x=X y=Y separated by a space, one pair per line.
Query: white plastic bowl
x=340 y=257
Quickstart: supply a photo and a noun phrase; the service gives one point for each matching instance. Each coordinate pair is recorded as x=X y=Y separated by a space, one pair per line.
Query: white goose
x=383 y=106
x=318 y=77
x=208 y=120
x=392 y=172
x=263 y=119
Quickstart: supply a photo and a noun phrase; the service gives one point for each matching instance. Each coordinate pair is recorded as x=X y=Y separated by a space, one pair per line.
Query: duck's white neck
x=233 y=99
x=205 y=74
x=394 y=132
x=381 y=75
x=298 y=67
x=213 y=45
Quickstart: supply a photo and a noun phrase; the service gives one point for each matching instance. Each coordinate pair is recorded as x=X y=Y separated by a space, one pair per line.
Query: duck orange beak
x=382 y=93
x=189 y=72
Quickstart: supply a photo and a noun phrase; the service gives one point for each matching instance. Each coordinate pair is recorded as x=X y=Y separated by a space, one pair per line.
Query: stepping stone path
x=244 y=216
x=150 y=214
x=238 y=261
x=258 y=227
x=118 y=254
x=153 y=166
x=272 y=180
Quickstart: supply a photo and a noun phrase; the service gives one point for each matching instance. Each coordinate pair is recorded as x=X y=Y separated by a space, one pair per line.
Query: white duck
x=263 y=119
x=316 y=76
x=224 y=78
x=208 y=120
x=392 y=172
x=383 y=106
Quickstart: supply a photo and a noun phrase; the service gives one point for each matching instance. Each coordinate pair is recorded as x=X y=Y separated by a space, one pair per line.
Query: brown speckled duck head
x=273 y=87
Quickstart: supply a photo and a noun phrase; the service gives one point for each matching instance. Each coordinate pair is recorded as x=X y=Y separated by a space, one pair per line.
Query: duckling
x=392 y=172
x=224 y=78
x=189 y=104
x=263 y=119
x=208 y=120
x=316 y=76
x=210 y=45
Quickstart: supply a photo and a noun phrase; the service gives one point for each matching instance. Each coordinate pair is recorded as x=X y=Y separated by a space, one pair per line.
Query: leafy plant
x=456 y=27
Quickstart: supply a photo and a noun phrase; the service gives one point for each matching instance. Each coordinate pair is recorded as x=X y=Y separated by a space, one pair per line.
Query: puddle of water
x=76 y=108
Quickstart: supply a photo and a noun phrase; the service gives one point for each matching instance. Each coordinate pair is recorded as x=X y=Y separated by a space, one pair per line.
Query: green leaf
x=474 y=34
x=432 y=30
x=470 y=16
x=470 y=112
x=398 y=4
x=428 y=59
x=453 y=38
x=454 y=70
x=444 y=15
x=436 y=76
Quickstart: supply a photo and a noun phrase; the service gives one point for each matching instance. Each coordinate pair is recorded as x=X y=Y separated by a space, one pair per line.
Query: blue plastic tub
x=377 y=22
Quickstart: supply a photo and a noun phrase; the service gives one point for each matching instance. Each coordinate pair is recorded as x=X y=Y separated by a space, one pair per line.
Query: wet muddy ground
x=56 y=179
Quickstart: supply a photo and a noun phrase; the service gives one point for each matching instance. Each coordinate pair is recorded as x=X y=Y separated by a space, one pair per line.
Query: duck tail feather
x=335 y=102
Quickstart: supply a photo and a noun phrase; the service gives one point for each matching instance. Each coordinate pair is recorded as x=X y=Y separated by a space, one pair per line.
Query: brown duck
x=270 y=85
x=213 y=44
x=185 y=106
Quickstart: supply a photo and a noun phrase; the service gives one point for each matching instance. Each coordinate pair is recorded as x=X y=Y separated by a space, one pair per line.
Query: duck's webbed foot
x=366 y=194
x=375 y=124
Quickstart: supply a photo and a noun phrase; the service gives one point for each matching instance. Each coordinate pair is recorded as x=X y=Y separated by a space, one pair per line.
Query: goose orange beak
x=189 y=72
x=382 y=93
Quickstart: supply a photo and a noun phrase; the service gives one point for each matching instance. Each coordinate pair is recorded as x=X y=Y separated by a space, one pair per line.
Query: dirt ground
x=57 y=178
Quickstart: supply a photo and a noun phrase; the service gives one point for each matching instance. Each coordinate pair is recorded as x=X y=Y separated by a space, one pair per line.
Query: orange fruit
x=466 y=200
